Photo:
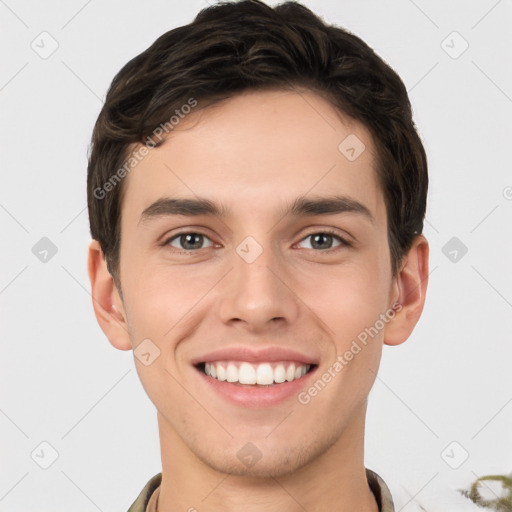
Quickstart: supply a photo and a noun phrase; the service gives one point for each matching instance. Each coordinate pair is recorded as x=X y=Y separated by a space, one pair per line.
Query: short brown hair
x=232 y=47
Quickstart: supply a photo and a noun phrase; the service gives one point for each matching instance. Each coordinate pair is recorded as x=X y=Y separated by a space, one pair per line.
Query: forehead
x=257 y=151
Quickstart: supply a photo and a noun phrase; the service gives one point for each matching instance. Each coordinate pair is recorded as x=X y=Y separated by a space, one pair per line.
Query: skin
x=256 y=153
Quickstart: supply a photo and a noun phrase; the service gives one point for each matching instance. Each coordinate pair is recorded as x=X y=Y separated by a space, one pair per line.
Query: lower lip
x=257 y=396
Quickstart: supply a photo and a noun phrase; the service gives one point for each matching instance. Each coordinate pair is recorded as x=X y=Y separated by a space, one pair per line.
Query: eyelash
x=344 y=242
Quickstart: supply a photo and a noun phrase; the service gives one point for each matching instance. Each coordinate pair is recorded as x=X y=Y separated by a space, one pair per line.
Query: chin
x=267 y=462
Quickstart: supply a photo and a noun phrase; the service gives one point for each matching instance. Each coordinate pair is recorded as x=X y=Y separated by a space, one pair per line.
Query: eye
x=323 y=240
x=188 y=241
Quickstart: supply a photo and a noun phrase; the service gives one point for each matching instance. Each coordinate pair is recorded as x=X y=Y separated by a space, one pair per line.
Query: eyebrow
x=301 y=207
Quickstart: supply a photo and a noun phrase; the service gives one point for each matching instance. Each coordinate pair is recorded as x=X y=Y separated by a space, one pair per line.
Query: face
x=257 y=287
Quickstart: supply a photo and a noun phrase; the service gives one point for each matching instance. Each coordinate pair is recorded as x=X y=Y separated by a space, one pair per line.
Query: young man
x=256 y=193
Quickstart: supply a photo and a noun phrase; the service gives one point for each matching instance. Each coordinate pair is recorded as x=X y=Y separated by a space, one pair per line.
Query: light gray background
x=64 y=384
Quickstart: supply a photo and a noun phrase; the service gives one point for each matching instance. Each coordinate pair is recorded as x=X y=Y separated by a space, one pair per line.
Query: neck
x=334 y=480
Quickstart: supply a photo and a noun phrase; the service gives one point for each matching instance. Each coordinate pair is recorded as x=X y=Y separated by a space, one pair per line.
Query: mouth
x=255 y=375
x=250 y=378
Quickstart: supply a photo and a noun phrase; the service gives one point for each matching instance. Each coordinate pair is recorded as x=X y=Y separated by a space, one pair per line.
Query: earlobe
x=106 y=301
x=411 y=284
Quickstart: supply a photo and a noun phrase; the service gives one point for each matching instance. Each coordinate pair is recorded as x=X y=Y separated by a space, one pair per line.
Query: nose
x=259 y=295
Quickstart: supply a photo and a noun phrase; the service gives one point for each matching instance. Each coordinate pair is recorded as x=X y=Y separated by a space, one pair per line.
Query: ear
x=107 y=304
x=409 y=291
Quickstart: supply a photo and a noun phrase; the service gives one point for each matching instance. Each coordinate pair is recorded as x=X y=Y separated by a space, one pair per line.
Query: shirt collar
x=147 y=499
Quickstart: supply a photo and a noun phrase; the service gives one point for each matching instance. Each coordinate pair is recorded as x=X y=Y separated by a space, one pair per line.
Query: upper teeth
x=263 y=373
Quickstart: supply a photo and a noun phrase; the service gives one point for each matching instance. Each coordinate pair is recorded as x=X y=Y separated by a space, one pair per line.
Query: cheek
x=349 y=299
x=350 y=307
x=159 y=303
x=162 y=297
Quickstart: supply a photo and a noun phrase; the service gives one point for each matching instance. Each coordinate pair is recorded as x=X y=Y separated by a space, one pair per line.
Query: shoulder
x=140 y=504
x=380 y=491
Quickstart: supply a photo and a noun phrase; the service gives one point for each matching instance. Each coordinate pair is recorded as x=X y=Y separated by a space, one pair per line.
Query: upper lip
x=268 y=354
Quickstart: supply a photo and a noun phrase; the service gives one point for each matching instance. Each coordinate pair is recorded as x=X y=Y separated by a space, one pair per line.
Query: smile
x=255 y=374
